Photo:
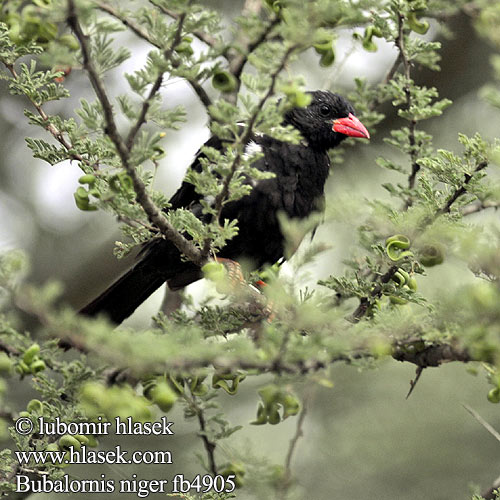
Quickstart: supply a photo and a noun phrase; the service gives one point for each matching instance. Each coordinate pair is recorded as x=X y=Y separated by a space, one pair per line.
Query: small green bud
x=399 y=278
x=163 y=396
x=69 y=41
x=82 y=439
x=412 y=284
x=394 y=246
x=275 y=5
x=82 y=200
x=273 y=416
x=397 y=300
x=368 y=43
x=237 y=469
x=159 y=153
x=52 y=447
x=327 y=59
x=31 y=353
x=87 y=179
x=35 y=406
x=66 y=441
x=291 y=405
x=261 y=416
x=214 y=271
x=6 y=364
x=37 y=366
x=23 y=368
x=224 y=81
x=269 y=394
x=416 y=24
x=198 y=388
x=494 y=395
x=184 y=48
x=431 y=255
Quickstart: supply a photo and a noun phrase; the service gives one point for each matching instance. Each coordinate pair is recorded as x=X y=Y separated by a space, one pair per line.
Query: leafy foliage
x=198 y=354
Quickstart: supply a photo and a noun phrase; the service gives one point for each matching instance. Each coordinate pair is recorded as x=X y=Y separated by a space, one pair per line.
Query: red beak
x=350 y=126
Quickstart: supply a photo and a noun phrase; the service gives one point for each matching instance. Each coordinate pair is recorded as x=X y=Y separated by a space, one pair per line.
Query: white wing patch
x=251 y=148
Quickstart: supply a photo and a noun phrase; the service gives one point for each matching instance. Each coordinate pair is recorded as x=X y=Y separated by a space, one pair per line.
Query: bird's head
x=327 y=121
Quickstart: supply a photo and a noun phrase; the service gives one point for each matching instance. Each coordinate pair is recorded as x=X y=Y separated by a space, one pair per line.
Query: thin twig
x=7 y=349
x=207 y=443
x=479 y=206
x=206 y=38
x=238 y=59
x=415 y=167
x=413 y=383
x=299 y=432
x=167 y=55
x=242 y=140
x=366 y=302
x=137 y=30
x=52 y=129
x=483 y=422
x=238 y=62
x=388 y=77
x=462 y=189
x=155 y=216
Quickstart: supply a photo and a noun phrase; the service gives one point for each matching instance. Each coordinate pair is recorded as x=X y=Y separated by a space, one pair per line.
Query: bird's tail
x=125 y=295
x=159 y=262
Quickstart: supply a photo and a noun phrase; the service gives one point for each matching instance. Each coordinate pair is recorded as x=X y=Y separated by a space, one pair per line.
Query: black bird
x=297 y=189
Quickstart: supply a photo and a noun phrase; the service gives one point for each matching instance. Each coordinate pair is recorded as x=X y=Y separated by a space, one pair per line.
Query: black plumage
x=297 y=189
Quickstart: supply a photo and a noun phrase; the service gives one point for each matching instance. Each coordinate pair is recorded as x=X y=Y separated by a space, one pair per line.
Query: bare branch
x=207 y=443
x=299 y=432
x=479 y=206
x=483 y=422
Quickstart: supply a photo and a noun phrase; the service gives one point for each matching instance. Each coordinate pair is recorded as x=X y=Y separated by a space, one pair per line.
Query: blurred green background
x=362 y=439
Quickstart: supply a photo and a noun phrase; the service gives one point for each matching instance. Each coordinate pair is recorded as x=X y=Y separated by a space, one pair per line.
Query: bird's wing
x=186 y=195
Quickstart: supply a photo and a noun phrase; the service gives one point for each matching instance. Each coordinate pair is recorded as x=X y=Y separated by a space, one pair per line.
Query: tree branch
x=221 y=197
x=155 y=216
x=415 y=167
x=480 y=206
x=206 y=38
x=207 y=443
x=137 y=30
x=461 y=190
x=366 y=302
x=52 y=129
x=167 y=55
x=299 y=432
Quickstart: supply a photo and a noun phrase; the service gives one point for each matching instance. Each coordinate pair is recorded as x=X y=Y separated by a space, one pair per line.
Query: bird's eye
x=325 y=109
